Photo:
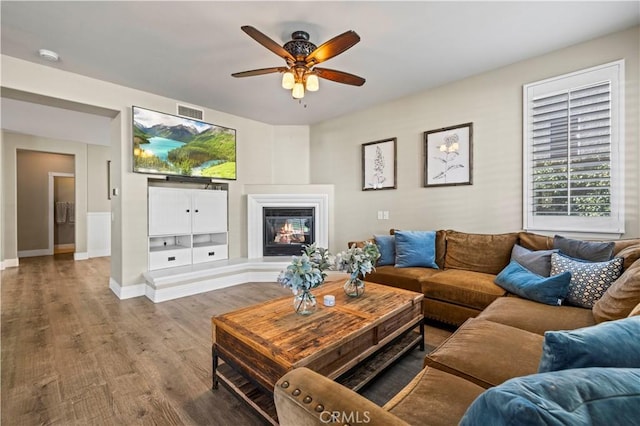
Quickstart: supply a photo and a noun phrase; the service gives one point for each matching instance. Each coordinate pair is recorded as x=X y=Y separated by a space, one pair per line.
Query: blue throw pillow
x=538 y=261
x=593 y=251
x=517 y=279
x=608 y=344
x=387 y=248
x=589 y=280
x=584 y=396
x=415 y=248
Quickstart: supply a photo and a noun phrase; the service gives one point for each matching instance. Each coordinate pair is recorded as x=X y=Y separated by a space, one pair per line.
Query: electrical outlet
x=380 y=215
x=385 y=215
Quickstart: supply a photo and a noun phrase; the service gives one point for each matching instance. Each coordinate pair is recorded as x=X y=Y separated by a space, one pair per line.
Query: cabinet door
x=209 y=211
x=169 y=211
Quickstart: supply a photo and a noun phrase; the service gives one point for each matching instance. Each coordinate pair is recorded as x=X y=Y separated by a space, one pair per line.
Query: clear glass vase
x=304 y=303
x=354 y=287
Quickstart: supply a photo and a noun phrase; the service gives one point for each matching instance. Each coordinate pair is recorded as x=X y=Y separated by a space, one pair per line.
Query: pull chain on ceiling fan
x=302 y=56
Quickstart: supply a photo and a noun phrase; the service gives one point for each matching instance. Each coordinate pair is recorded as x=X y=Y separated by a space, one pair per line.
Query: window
x=573 y=152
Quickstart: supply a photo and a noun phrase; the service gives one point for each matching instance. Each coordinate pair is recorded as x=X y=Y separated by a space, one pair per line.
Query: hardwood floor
x=73 y=353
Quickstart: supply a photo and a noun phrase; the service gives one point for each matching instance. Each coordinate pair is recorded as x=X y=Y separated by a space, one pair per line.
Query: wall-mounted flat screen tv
x=171 y=145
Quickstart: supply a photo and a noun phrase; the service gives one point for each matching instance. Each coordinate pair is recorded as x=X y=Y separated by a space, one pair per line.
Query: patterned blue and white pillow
x=589 y=280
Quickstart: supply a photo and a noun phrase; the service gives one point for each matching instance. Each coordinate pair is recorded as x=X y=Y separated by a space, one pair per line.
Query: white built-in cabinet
x=186 y=226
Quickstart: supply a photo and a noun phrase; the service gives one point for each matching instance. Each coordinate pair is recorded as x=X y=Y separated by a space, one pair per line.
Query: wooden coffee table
x=351 y=342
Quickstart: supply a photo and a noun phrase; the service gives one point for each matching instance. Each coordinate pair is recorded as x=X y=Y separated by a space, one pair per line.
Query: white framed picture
x=379 y=165
x=448 y=156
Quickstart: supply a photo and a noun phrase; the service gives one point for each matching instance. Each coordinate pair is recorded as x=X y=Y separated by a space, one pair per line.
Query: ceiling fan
x=302 y=56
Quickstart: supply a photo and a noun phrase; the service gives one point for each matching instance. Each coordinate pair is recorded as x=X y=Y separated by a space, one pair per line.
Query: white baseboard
x=9 y=263
x=126 y=292
x=100 y=253
x=80 y=256
x=34 y=253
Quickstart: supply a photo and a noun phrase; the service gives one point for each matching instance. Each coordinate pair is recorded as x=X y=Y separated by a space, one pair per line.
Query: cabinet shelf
x=168 y=248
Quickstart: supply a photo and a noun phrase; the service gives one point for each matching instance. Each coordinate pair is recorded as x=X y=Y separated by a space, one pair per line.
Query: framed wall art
x=379 y=165
x=449 y=156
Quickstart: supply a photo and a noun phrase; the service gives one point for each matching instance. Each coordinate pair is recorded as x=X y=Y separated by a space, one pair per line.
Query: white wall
x=290 y=158
x=493 y=102
x=2 y=263
x=256 y=147
x=98 y=197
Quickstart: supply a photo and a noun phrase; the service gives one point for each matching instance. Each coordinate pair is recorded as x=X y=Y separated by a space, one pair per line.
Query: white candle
x=329 y=300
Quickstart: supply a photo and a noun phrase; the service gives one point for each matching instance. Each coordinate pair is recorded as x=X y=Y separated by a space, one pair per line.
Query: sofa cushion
x=406 y=278
x=441 y=247
x=387 y=248
x=589 y=280
x=587 y=396
x=519 y=280
x=487 y=253
x=537 y=261
x=434 y=396
x=609 y=344
x=535 y=241
x=415 y=249
x=536 y=317
x=464 y=353
x=629 y=252
x=473 y=289
x=620 y=297
x=593 y=251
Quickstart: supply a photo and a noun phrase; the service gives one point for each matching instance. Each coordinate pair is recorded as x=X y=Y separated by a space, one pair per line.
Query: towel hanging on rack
x=61 y=212
x=71 y=212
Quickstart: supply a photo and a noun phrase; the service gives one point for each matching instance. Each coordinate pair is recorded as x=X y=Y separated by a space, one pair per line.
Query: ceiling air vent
x=190 y=112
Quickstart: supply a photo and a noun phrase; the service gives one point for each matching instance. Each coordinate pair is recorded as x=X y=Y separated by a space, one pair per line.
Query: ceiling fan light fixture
x=288 y=80
x=312 y=84
x=298 y=91
x=302 y=56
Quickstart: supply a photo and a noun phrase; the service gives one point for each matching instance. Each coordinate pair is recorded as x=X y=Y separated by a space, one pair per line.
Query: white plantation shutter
x=573 y=145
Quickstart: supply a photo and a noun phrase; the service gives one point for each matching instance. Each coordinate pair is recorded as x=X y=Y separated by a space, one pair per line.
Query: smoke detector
x=49 y=55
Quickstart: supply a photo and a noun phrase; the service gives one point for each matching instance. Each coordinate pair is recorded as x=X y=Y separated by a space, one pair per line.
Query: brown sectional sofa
x=463 y=286
x=499 y=337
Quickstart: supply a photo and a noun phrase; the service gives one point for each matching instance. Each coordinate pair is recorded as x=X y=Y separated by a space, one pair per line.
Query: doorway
x=37 y=176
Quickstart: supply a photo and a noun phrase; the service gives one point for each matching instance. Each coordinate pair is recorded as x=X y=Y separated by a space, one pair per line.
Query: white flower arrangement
x=358 y=261
x=306 y=271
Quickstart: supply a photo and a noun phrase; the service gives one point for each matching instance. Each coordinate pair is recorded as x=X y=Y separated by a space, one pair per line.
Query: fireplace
x=256 y=203
x=287 y=229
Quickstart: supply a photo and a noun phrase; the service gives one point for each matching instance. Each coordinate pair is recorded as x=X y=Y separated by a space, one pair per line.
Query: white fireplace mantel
x=256 y=202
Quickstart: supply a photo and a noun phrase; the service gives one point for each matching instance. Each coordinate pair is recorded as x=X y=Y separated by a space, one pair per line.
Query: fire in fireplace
x=287 y=229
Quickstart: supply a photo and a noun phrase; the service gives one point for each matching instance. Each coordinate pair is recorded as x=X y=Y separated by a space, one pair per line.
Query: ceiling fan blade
x=259 y=71
x=267 y=42
x=332 y=48
x=339 y=76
